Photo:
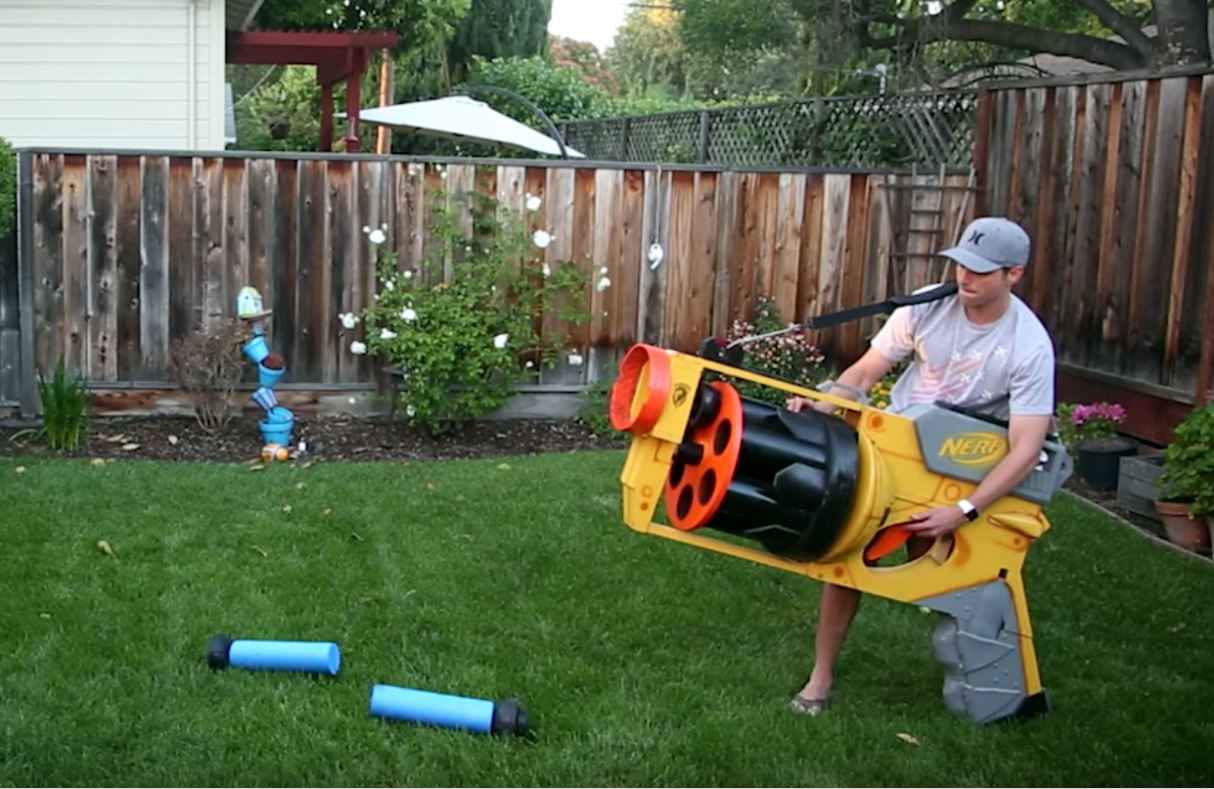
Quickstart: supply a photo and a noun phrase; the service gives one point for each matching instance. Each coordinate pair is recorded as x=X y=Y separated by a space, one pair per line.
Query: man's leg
x=835 y=615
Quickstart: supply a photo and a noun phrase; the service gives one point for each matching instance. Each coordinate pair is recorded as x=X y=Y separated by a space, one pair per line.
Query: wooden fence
x=1114 y=179
x=128 y=252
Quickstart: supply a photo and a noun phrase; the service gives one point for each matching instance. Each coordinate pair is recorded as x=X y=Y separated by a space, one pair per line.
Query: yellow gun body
x=893 y=481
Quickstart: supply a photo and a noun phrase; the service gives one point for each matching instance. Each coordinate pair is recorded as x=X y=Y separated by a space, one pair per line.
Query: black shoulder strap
x=843 y=316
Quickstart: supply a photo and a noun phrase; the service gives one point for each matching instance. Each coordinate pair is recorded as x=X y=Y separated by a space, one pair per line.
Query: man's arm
x=1026 y=435
x=861 y=375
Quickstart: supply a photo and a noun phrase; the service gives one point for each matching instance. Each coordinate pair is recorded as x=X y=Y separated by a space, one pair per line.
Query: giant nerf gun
x=827 y=496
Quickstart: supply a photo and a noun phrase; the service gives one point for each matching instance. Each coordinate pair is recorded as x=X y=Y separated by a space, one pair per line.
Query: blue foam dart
x=454 y=712
x=319 y=657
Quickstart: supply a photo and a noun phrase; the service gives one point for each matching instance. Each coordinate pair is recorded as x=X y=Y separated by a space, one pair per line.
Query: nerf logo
x=974 y=449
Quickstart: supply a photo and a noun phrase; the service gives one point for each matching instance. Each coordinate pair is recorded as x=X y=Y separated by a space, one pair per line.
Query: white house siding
x=111 y=73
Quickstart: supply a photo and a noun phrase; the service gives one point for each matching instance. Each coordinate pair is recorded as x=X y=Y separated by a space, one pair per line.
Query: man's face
x=979 y=290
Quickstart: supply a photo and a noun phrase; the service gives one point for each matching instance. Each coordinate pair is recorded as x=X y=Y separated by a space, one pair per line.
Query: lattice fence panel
x=895 y=130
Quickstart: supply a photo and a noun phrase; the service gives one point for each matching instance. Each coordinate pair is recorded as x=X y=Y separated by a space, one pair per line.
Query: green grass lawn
x=640 y=661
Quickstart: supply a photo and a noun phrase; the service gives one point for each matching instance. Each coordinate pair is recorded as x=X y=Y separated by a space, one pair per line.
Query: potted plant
x=1090 y=433
x=1186 y=502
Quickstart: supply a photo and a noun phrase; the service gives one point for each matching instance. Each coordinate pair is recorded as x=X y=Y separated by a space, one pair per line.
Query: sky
x=588 y=20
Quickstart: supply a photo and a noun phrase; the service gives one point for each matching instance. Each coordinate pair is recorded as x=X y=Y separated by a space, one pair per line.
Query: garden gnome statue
x=278 y=423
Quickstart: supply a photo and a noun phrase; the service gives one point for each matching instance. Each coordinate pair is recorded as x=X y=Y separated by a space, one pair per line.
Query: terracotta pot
x=1182 y=528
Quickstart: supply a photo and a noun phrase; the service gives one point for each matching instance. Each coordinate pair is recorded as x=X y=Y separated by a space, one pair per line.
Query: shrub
x=208 y=365
x=65 y=404
x=790 y=357
x=8 y=188
x=462 y=340
x=1188 y=463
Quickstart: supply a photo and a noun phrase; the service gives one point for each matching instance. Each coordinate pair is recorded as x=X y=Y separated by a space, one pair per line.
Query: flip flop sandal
x=811 y=707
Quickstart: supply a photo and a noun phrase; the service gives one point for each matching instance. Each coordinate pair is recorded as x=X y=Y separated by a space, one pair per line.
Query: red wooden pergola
x=336 y=56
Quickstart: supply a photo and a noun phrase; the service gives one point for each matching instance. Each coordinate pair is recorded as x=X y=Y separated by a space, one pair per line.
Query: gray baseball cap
x=989 y=244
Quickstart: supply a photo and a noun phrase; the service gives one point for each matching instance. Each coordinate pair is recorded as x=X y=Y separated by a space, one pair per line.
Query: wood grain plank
x=128 y=346
x=748 y=246
x=836 y=197
x=766 y=205
x=847 y=340
x=1028 y=192
x=77 y=275
x=208 y=223
x=1139 y=264
x=235 y=230
x=728 y=220
x=1147 y=357
x=313 y=305
x=261 y=227
x=678 y=266
x=591 y=230
x=1042 y=262
x=1190 y=148
x=284 y=261
x=559 y=213
x=696 y=324
x=1114 y=329
x=409 y=232
x=633 y=257
x=1018 y=145
x=48 y=272
x=336 y=361
x=105 y=233
x=646 y=331
x=654 y=283
x=369 y=187
x=154 y=273
x=809 y=276
x=185 y=299
x=1083 y=324
x=607 y=199
x=786 y=263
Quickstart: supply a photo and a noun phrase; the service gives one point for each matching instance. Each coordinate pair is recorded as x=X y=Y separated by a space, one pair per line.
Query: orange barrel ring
x=641 y=389
x=694 y=491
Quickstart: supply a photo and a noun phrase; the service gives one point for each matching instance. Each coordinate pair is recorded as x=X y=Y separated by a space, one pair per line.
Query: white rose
x=500 y=340
x=603 y=284
x=410 y=410
x=388 y=284
x=377 y=236
x=408 y=275
x=534 y=202
x=542 y=238
x=575 y=359
x=348 y=320
x=387 y=334
x=357 y=348
x=407 y=314
x=547 y=270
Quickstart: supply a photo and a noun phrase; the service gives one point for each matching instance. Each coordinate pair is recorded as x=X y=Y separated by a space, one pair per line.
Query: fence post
x=705 y=127
x=624 y=146
x=25 y=281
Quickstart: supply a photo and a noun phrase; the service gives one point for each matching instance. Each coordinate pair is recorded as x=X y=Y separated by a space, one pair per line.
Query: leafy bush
x=462 y=341
x=1188 y=463
x=559 y=91
x=790 y=357
x=65 y=404
x=8 y=188
x=208 y=365
x=593 y=412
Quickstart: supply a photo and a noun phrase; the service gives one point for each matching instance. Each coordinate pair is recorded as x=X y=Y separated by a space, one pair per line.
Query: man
x=982 y=348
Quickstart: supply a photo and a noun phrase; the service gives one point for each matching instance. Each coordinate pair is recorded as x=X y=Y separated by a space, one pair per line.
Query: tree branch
x=1008 y=34
x=1120 y=24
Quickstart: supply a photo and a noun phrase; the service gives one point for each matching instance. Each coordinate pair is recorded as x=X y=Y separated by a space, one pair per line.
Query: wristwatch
x=971 y=512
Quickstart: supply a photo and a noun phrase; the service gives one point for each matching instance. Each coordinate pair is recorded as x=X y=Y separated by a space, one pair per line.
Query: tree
x=584 y=58
x=499 y=29
x=648 y=55
x=1108 y=32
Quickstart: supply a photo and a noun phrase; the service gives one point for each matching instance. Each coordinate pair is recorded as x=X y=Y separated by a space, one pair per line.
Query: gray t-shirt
x=1003 y=368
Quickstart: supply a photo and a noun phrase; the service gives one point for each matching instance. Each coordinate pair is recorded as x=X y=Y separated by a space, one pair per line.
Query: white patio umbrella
x=464 y=118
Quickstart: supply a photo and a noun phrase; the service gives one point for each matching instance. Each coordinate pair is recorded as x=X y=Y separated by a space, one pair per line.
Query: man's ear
x=1014 y=275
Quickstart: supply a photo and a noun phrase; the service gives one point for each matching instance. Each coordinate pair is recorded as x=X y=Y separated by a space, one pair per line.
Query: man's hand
x=798 y=404
x=937 y=522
